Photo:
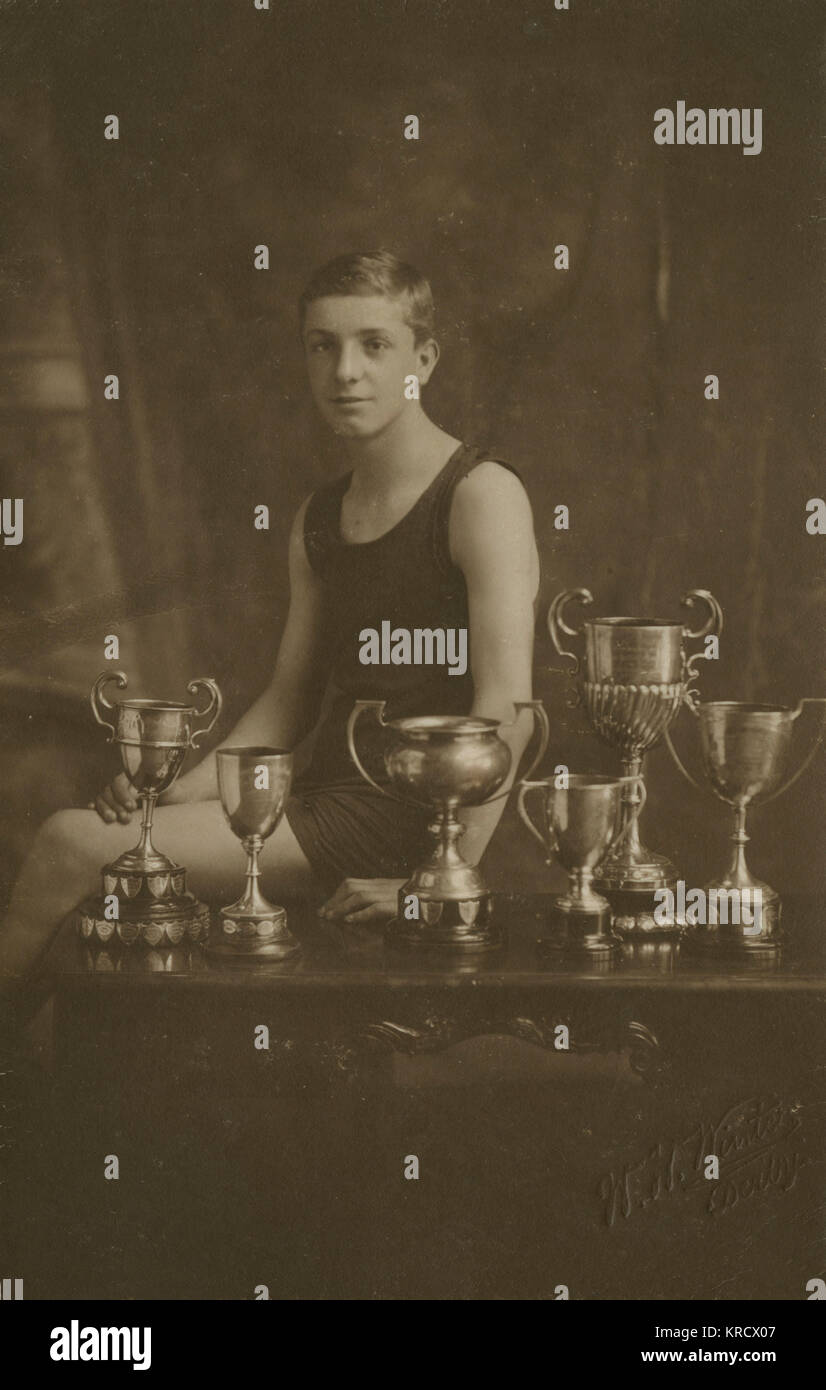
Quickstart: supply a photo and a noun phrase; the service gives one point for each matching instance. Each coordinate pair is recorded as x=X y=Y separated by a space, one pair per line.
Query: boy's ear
x=428 y=355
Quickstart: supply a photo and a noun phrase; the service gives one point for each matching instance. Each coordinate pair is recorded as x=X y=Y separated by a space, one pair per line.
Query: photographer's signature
x=745 y=1141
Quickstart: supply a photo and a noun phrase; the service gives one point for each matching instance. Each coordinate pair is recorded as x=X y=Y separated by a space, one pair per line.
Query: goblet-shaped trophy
x=254 y=784
x=442 y=762
x=153 y=738
x=581 y=821
x=745 y=750
x=637 y=675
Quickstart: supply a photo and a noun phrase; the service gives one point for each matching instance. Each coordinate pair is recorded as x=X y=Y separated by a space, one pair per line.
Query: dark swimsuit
x=345 y=827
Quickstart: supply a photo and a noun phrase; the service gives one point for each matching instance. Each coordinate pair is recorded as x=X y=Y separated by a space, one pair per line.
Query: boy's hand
x=117 y=802
x=363 y=900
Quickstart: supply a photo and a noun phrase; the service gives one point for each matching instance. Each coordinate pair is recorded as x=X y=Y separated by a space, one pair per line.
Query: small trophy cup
x=581 y=822
x=637 y=675
x=745 y=751
x=154 y=737
x=254 y=784
x=443 y=762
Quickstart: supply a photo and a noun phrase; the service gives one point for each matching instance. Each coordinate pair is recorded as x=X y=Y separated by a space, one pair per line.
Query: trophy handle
x=541 y=719
x=557 y=624
x=678 y=760
x=809 y=700
x=214 y=707
x=377 y=706
x=691 y=695
x=524 y=788
x=714 y=621
x=99 y=701
x=713 y=624
x=636 y=809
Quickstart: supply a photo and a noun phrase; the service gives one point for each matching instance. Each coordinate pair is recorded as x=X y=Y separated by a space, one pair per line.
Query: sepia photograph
x=413 y=679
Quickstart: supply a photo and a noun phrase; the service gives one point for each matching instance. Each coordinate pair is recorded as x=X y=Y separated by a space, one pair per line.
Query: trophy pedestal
x=154 y=909
x=631 y=875
x=260 y=935
x=111 y=959
x=456 y=924
x=575 y=932
x=454 y=909
x=739 y=938
x=630 y=884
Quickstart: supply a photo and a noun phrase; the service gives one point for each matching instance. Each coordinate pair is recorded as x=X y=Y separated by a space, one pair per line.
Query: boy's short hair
x=376 y=272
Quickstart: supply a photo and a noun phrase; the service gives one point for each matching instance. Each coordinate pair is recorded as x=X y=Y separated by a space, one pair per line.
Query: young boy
x=421 y=533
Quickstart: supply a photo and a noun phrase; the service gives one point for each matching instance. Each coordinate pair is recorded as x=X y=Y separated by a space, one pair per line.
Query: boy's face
x=359 y=351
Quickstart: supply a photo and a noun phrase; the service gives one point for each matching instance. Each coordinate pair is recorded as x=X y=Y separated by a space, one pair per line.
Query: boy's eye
x=319 y=347
x=376 y=343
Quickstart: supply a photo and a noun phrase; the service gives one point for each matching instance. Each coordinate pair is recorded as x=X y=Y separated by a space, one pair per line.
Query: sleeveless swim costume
x=405 y=577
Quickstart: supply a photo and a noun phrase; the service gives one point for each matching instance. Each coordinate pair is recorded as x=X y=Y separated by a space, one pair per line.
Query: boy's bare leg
x=70 y=848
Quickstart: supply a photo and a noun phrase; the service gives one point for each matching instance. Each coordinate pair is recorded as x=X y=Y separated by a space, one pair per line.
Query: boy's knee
x=64 y=836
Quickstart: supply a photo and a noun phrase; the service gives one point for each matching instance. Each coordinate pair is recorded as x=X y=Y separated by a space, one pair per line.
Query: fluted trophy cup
x=147 y=889
x=637 y=675
x=745 y=751
x=253 y=784
x=441 y=763
x=581 y=821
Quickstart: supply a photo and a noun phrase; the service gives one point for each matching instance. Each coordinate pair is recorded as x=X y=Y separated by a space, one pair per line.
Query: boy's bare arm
x=492 y=542
x=286 y=711
x=282 y=714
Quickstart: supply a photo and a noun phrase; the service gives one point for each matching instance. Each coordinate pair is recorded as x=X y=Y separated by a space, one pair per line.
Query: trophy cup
x=637 y=675
x=745 y=751
x=442 y=762
x=153 y=736
x=582 y=822
x=254 y=784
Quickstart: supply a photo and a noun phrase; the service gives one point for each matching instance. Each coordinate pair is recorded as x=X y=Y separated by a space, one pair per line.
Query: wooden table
x=540 y=1165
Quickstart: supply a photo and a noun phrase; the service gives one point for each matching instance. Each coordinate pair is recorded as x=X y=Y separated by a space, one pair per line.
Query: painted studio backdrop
x=285 y=127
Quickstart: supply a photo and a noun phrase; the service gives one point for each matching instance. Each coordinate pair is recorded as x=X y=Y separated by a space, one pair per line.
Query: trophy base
x=633 y=918
x=644 y=873
x=631 y=887
x=447 y=924
x=577 y=934
x=253 y=936
x=156 y=924
x=152 y=960
x=735 y=938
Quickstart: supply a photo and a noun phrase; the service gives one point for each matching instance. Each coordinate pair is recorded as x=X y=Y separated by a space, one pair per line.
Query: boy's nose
x=347 y=366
